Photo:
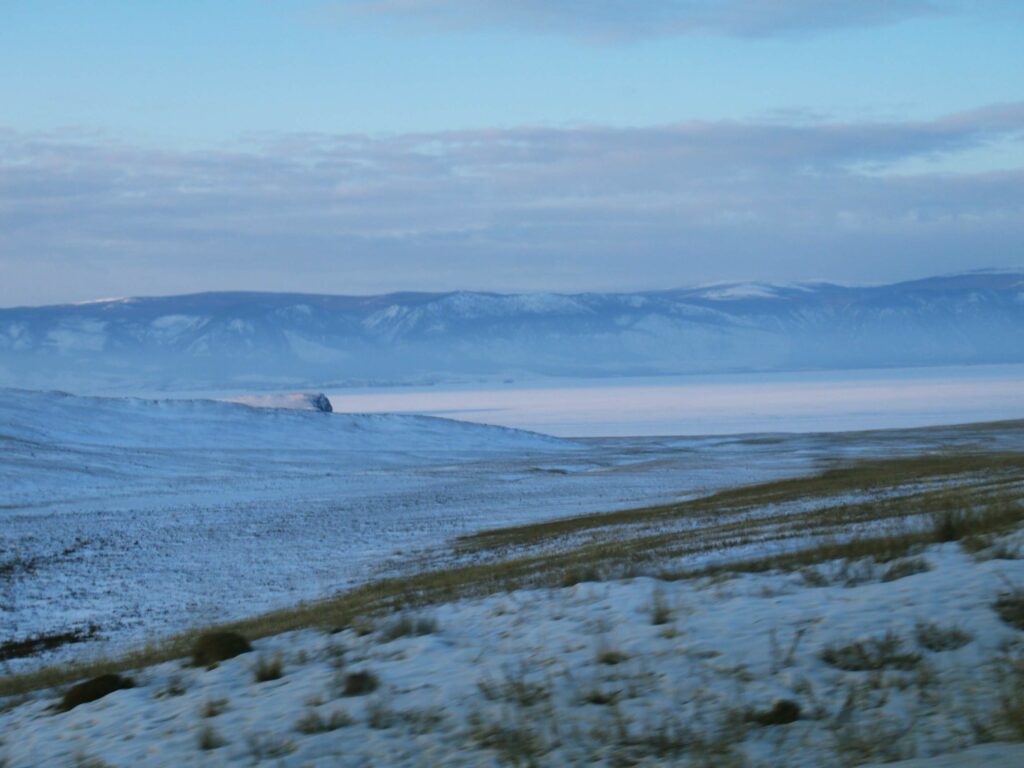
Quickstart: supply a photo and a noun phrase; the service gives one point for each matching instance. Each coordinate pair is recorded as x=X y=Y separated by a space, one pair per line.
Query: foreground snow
x=583 y=674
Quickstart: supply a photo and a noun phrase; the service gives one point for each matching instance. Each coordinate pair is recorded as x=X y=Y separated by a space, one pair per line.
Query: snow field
x=628 y=672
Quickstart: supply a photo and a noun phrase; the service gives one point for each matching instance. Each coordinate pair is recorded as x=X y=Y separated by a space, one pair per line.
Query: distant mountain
x=268 y=341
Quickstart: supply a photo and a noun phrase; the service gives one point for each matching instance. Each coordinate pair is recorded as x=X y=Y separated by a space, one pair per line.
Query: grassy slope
x=868 y=508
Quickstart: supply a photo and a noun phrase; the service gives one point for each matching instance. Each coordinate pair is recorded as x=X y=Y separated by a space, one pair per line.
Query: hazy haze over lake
x=720 y=404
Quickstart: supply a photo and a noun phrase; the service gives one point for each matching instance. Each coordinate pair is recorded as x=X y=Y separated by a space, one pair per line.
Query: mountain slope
x=254 y=340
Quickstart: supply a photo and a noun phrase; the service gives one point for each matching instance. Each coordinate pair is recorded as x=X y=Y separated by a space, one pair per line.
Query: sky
x=368 y=146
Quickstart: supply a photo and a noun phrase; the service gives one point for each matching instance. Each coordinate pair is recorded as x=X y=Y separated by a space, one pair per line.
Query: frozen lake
x=820 y=401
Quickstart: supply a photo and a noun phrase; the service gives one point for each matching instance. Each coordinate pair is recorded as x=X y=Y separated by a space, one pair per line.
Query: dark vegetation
x=93 y=689
x=782 y=713
x=267 y=669
x=36 y=644
x=214 y=647
x=360 y=683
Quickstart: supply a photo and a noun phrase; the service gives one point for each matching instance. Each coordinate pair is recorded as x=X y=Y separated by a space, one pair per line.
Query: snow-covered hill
x=290 y=341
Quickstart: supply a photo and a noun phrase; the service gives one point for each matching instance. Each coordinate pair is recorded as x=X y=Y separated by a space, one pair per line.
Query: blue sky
x=373 y=145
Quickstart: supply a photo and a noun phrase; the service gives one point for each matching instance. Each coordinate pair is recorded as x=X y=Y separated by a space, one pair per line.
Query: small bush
x=407 y=626
x=903 y=568
x=1010 y=607
x=360 y=683
x=266 y=669
x=601 y=698
x=94 y=689
x=611 y=658
x=214 y=647
x=313 y=722
x=936 y=638
x=885 y=652
x=782 y=712
x=209 y=739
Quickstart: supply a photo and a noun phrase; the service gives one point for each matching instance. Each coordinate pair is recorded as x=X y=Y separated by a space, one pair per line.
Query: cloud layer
x=611 y=20
x=589 y=207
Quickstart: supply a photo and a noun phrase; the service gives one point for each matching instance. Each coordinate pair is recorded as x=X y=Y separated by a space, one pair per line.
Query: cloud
x=574 y=208
x=617 y=20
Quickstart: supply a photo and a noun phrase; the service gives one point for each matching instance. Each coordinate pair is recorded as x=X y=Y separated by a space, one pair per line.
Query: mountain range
x=274 y=341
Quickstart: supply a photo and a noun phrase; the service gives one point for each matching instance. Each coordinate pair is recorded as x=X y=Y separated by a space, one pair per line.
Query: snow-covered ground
x=141 y=518
x=587 y=675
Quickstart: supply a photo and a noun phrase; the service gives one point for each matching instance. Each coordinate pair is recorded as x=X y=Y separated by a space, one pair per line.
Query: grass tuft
x=266 y=669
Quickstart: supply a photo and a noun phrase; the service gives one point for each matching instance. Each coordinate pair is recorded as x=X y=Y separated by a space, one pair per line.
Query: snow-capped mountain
x=286 y=341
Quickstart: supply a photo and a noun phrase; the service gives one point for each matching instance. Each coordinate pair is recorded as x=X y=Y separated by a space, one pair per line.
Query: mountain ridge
x=259 y=341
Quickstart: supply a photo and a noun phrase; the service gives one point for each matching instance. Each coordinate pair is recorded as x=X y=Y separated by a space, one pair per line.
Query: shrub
x=601 y=697
x=213 y=647
x=782 y=712
x=360 y=683
x=94 y=689
x=611 y=658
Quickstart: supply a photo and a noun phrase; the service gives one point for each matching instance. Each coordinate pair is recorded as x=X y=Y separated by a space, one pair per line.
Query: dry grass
x=877 y=653
x=981 y=482
x=266 y=669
